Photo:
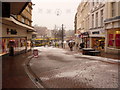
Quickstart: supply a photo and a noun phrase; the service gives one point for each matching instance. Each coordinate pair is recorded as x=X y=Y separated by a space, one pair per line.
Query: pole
x=62 y=35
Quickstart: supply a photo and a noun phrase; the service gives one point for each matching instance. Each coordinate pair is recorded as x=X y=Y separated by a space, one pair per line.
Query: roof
x=15 y=6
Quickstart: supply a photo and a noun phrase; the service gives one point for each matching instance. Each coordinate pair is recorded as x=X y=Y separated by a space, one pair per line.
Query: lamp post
x=62 y=35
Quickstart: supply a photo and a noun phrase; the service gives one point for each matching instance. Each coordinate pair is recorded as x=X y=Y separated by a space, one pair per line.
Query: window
x=83 y=25
x=102 y=18
x=29 y=23
x=97 y=19
x=93 y=21
x=22 y=19
x=93 y=3
x=113 y=9
x=29 y=10
x=88 y=23
x=97 y=1
x=15 y=16
x=114 y=38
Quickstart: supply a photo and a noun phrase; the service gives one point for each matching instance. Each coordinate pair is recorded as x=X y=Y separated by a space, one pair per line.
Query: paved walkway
x=103 y=54
x=58 y=68
x=13 y=72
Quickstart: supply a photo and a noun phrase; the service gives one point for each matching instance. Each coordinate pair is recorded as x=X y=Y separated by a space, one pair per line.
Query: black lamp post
x=62 y=35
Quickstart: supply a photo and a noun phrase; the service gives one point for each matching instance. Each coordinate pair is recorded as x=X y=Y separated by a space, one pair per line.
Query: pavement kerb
x=35 y=79
x=95 y=58
x=104 y=59
x=100 y=58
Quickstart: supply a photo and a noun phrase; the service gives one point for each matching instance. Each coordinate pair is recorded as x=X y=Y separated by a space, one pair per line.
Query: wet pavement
x=13 y=72
x=58 y=68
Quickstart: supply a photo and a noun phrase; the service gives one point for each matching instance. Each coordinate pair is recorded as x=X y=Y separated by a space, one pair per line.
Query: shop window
x=114 y=39
x=117 y=39
x=111 y=40
x=0 y=45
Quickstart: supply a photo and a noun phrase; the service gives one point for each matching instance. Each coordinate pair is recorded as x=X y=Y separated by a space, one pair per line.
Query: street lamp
x=62 y=34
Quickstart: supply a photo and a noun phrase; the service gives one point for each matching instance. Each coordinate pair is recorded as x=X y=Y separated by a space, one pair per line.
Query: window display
x=114 y=38
x=20 y=44
x=117 y=40
x=111 y=40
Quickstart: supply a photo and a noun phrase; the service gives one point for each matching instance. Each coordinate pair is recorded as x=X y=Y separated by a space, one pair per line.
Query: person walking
x=64 y=44
x=82 y=45
x=71 y=45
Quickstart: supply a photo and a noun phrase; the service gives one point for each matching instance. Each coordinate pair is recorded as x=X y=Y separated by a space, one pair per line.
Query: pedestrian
x=71 y=45
x=82 y=45
x=64 y=44
x=77 y=45
x=11 y=48
x=101 y=45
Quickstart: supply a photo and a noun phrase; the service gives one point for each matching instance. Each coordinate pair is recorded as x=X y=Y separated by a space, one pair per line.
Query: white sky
x=45 y=13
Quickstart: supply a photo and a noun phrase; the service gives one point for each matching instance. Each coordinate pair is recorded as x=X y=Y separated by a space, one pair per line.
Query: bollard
x=35 y=53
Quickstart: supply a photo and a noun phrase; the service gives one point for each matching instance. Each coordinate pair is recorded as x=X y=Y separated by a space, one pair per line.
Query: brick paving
x=58 y=68
x=13 y=72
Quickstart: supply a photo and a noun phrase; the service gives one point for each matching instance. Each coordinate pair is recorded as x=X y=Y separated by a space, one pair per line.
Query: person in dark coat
x=71 y=45
x=82 y=45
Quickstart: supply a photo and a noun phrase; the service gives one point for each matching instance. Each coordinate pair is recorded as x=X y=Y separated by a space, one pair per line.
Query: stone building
x=96 y=25
x=17 y=30
x=75 y=23
x=112 y=27
x=83 y=22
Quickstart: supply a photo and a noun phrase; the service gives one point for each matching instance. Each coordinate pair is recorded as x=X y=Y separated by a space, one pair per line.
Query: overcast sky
x=55 y=12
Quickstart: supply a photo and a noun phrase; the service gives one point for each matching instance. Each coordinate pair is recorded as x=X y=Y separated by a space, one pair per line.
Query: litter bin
x=94 y=53
x=85 y=51
x=35 y=52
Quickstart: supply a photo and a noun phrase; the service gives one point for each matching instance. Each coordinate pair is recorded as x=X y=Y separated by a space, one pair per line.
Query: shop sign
x=96 y=32
x=85 y=34
x=12 y=31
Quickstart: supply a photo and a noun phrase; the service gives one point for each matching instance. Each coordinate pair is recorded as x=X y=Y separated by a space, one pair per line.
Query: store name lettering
x=97 y=32
x=11 y=31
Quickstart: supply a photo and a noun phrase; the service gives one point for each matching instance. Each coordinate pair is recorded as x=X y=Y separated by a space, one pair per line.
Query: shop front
x=18 y=44
x=15 y=37
x=113 y=41
x=98 y=43
x=85 y=39
x=97 y=39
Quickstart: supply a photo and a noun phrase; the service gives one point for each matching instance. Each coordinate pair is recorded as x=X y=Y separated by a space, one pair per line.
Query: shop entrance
x=98 y=43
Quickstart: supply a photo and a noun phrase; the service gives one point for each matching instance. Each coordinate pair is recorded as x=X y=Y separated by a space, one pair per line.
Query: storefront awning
x=34 y=33
x=96 y=35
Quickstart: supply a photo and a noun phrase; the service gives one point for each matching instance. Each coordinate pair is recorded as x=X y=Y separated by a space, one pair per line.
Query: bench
x=94 y=53
x=85 y=51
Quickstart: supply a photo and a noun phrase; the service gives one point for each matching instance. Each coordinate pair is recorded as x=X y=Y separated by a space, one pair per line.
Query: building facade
x=99 y=22
x=96 y=25
x=112 y=27
x=17 y=29
x=83 y=16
